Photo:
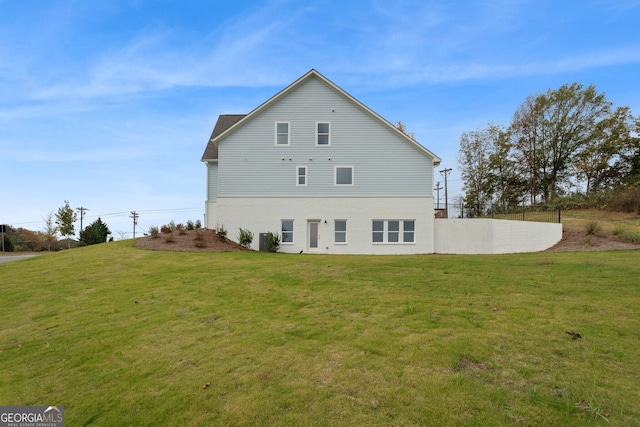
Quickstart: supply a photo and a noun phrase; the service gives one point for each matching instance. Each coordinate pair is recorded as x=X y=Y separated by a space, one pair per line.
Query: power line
x=96 y=214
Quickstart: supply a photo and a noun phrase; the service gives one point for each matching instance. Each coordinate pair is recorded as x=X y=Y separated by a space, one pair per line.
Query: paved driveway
x=7 y=258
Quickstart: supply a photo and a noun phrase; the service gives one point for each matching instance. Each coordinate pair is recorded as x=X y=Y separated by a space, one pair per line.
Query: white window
x=343 y=175
x=378 y=232
x=287 y=231
x=340 y=231
x=323 y=133
x=282 y=134
x=393 y=231
x=301 y=176
x=409 y=231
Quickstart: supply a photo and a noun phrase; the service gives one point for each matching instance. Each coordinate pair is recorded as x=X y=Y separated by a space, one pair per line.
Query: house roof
x=227 y=126
x=225 y=121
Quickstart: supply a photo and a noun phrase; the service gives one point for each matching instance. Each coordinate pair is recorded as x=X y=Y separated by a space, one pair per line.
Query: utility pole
x=446 y=172
x=3 y=229
x=438 y=188
x=134 y=215
x=81 y=209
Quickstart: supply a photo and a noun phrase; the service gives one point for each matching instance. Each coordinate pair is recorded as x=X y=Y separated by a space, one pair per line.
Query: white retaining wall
x=494 y=236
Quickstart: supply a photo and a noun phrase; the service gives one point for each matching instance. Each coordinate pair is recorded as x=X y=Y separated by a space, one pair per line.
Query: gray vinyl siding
x=212 y=181
x=385 y=164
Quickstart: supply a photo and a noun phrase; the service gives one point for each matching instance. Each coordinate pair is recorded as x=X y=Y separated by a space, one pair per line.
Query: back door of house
x=314 y=235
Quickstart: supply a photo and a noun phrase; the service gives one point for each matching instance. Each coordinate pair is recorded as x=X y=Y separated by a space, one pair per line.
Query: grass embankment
x=124 y=336
x=624 y=225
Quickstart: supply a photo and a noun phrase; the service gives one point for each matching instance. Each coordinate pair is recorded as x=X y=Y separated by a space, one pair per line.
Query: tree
x=628 y=165
x=403 y=128
x=94 y=233
x=7 y=244
x=526 y=145
x=596 y=162
x=552 y=129
x=65 y=217
x=50 y=230
x=473 y=158
x=504 y=175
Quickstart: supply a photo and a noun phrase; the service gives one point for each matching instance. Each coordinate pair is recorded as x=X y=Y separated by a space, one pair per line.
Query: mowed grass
x=124 y=336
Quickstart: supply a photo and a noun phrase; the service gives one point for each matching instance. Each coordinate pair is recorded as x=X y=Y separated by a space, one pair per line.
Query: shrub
x=618 y=230
x=630 y=237
x=245 y=237
x=198 y=224
x=154 y=232
x=169 y=238
x=165 y=229
x=592 y=228
x=199 y=239
x=190 y=225
x=273 y=242
x=172 y=226
x=181 y=229
x=221 y=232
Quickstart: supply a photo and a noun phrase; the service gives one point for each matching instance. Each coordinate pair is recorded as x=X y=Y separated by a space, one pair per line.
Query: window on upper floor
x=287 y=231
x=340 y=231
x=282 y=134
x=343 y=175
x=323 y=133
x=301 y=176
x=393 y=231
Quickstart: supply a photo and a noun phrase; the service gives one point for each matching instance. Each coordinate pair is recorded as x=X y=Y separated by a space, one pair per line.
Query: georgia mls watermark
x=31 y=416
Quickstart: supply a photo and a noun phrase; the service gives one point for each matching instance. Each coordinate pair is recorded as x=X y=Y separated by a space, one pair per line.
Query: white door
x=314 y=235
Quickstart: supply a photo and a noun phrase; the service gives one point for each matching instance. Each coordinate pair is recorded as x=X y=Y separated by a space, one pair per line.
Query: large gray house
x=324 y=171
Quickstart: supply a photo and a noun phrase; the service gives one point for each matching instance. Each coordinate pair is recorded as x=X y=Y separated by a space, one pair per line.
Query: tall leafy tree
x=489 y=171
x=50 y=230
x=527 y=145
x=474 y=162
x=65 y=218
x=628 y=165
x=503 y=168
x=556 y=126
x=94 y=233
x=596 y=163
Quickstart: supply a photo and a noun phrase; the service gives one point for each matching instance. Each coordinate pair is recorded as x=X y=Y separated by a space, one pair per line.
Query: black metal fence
x=537 y=213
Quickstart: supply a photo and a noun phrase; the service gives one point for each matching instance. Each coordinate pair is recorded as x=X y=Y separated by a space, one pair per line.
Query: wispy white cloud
x=411 y=43
x=237 y=53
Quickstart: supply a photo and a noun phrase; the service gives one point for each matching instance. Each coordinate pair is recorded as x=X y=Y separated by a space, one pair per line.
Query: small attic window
x=282 y=134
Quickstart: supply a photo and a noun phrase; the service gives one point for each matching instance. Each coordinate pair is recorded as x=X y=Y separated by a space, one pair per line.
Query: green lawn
x=124 y=336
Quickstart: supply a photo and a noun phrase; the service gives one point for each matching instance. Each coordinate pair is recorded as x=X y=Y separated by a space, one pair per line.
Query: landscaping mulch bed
x=198 y=240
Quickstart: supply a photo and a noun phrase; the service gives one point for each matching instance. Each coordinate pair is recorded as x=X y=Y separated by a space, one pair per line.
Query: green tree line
x=568 y=142
x=60 y=223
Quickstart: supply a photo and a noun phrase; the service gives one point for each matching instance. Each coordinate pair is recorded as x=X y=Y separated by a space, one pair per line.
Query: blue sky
x=109 y=104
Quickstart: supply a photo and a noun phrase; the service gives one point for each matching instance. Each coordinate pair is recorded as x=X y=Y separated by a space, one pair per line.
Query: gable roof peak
x=215 y=137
